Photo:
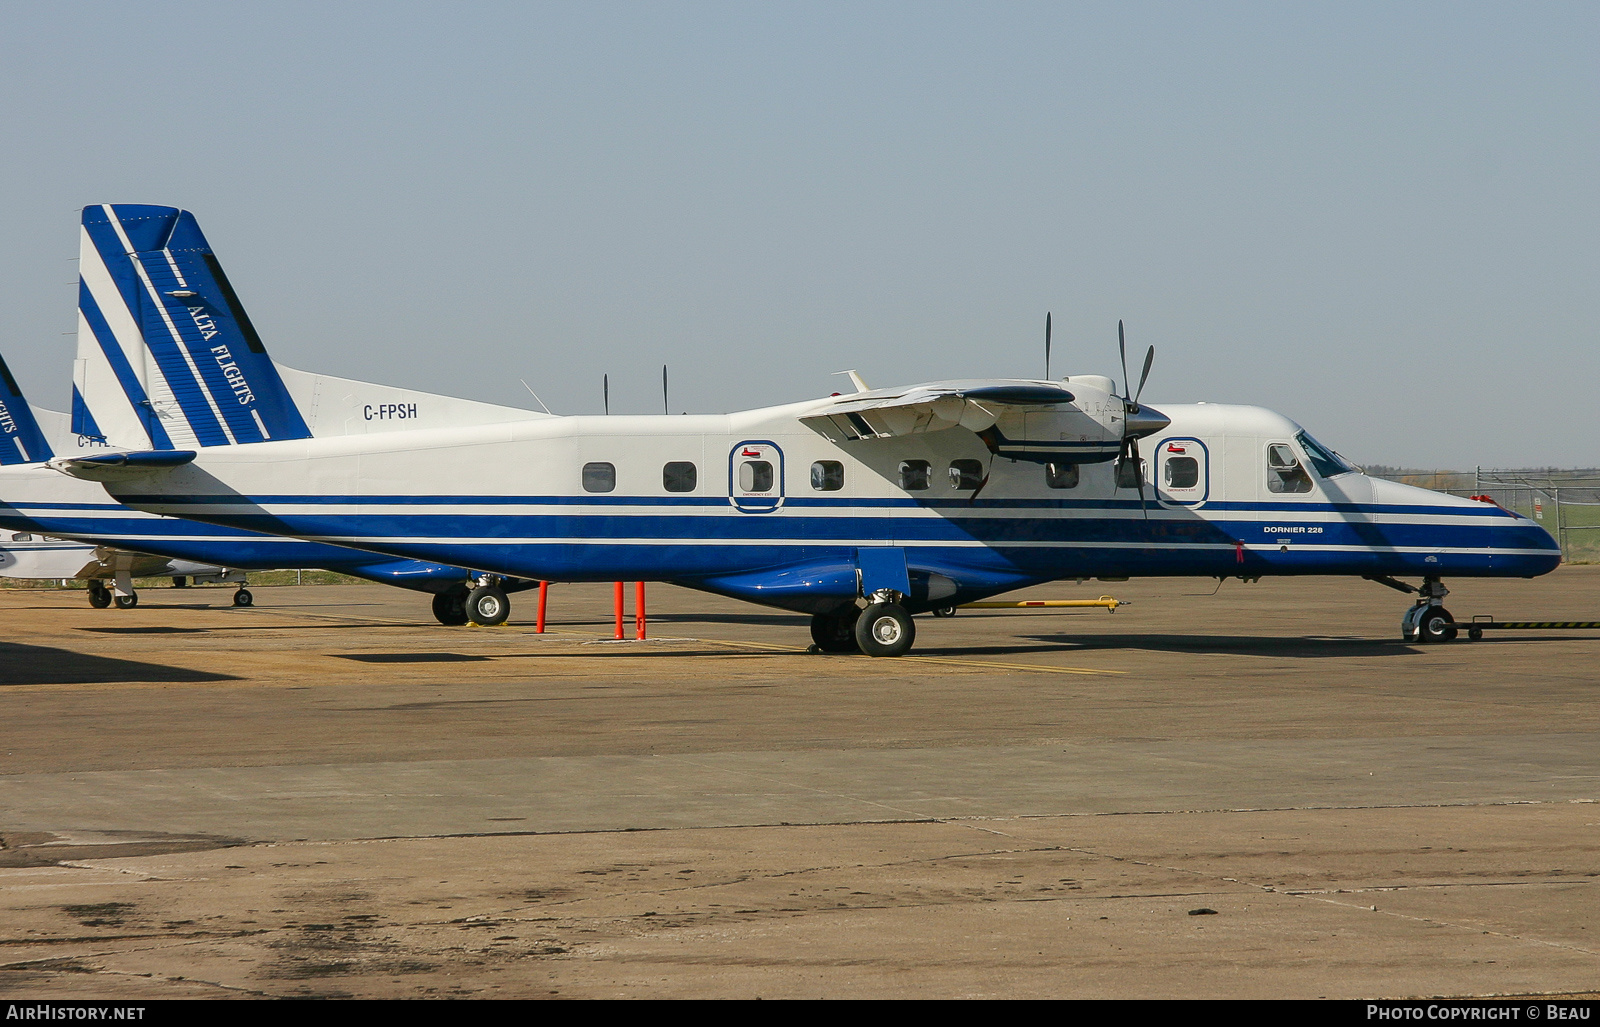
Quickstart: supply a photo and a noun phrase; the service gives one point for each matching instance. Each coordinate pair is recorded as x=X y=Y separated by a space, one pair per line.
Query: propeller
x=1134 y=426
x=1047 y=345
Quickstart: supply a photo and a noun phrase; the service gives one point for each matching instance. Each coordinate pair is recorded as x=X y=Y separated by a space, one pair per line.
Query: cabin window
x=827 y=476
x=1181 y=472
x=966 y=475
x=1284 y=473
x=679 y=476
x=915 y=475
x=599 y=477
x=1061 y=476
x=755 y=476
x=22 y=536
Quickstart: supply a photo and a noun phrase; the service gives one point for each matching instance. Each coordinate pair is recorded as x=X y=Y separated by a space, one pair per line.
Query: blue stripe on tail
x=21 y=441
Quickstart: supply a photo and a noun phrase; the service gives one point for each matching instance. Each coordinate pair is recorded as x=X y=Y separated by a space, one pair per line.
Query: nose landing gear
x=1428 y=620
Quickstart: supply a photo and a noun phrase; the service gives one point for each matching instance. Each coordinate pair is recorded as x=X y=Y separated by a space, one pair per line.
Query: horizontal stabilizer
x=109 y=466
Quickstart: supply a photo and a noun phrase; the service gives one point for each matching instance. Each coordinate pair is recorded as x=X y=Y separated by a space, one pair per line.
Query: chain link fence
x=1566 y=502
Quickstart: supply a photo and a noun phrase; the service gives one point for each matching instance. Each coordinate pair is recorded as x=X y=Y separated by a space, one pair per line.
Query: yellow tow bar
x=1106 y=602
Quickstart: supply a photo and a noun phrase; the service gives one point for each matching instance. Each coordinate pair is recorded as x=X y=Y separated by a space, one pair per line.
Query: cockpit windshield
x=1326 y=461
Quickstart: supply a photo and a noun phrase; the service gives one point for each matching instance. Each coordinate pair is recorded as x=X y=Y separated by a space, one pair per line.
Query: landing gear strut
x=1428 y=620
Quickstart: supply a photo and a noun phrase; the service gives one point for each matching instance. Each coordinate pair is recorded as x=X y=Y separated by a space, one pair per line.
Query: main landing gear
x=126 y=597
x=123 y=595
x=486 y=603
x=1428 y=620
x=884 y=628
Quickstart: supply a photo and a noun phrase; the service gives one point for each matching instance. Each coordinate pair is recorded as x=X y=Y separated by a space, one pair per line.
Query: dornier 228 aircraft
x=860 y=510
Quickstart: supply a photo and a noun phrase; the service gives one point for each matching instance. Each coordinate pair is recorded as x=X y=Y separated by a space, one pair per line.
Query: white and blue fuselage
x=763 y=506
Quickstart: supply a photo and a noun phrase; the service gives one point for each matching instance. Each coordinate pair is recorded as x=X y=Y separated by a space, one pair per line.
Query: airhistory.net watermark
x=71 y=1011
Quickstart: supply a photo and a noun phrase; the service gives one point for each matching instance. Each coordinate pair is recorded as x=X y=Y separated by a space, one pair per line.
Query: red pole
x=638 y=610
x=619 y=609
x=544 y=594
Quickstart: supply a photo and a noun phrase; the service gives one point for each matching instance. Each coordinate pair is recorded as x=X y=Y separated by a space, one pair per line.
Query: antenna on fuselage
x=605 y=391
x=536 y=398
x=664 y=409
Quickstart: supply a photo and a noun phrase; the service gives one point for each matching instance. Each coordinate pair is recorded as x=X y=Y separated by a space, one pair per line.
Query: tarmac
x=1253 y=792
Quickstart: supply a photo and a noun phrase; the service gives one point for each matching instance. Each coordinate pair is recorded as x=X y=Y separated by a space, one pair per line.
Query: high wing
x=1039 y=421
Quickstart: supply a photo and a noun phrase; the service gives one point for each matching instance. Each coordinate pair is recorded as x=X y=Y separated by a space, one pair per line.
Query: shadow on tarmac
x=1300 y=647
x=42 y=665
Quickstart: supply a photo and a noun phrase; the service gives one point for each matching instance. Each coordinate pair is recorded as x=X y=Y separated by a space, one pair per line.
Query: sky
x=1381 y=219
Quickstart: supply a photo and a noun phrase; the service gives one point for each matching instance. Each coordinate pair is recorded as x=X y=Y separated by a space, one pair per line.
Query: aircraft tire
x=1436 y=625
x=99 y=595
x=128 y=601
x=885 y=629
x=450 y=607
x=243 y=598
x=488 y=606
x=835 y=632
x=945 y=611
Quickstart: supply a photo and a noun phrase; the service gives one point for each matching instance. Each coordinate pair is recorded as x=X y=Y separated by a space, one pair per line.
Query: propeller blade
x=1130 y=457
x=1122 y=348
x=1149 y=358
x=1047 y=345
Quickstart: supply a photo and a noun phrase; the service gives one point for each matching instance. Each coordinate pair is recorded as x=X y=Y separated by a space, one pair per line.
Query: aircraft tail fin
x=168 y=358
x=167 y=355
x=21 y=439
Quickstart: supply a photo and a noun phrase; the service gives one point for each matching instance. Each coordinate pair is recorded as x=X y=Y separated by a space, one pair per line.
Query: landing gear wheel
x=99 y=595
x=885 y=629
x=243 y=598
x=450 y=608
x=1436 y=625
x=488 y=606
x=128 y=601
x=1475 y=634
x=835 y=632
x=945 y=611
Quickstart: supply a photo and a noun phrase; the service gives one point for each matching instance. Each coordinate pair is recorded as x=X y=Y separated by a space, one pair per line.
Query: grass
x=258 y=579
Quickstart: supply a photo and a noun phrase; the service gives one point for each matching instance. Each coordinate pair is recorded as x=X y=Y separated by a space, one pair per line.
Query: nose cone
x=1143 y=420
x=1460 y=535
